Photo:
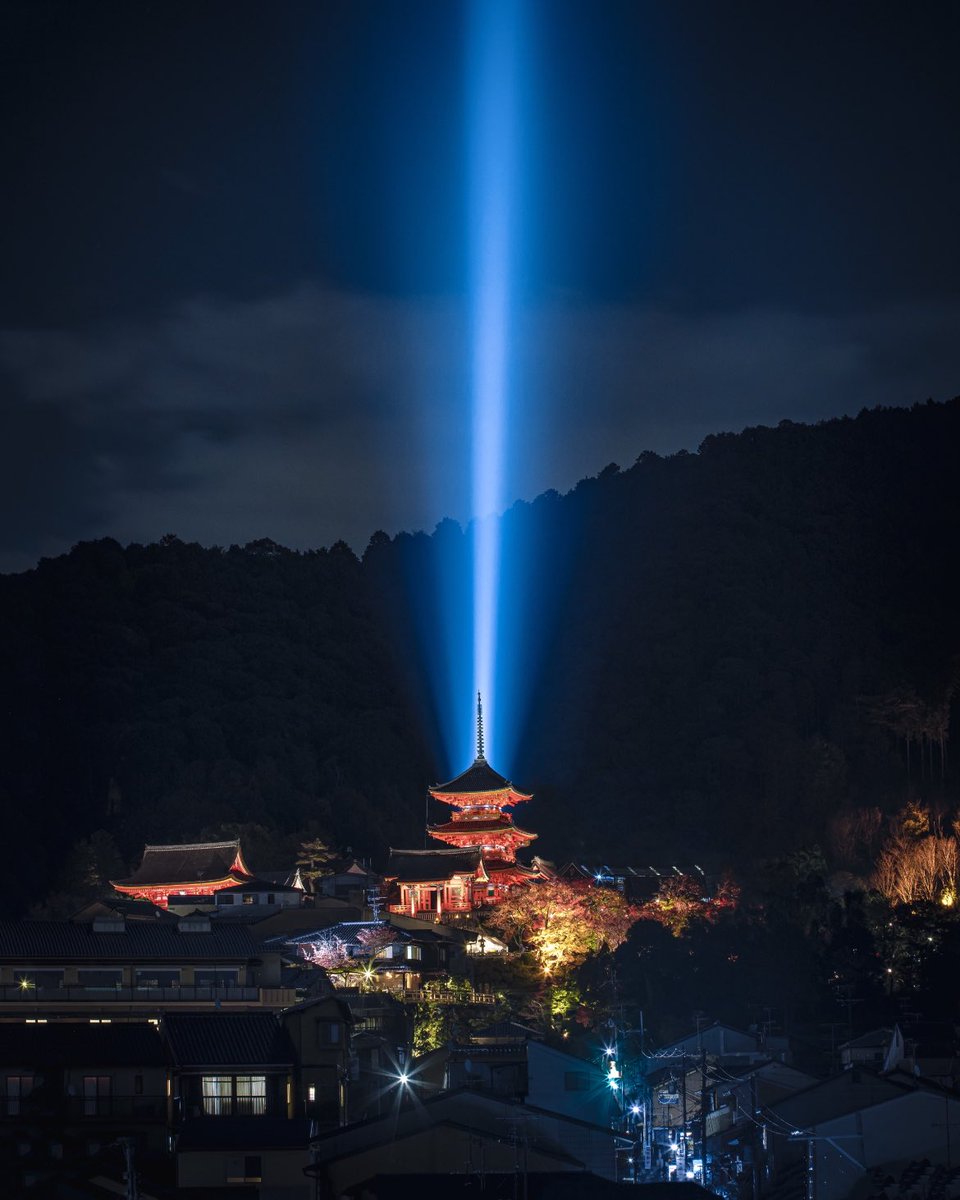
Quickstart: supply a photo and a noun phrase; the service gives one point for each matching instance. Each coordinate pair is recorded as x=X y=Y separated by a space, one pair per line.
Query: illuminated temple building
x=479 y=863
x=198 y=869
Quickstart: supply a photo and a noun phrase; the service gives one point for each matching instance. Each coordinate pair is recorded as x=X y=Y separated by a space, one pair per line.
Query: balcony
x=40 y=997
x=429 y=908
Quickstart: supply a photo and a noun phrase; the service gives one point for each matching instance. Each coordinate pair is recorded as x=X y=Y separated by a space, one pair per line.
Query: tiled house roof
x=222 y=1039
x=30 y=942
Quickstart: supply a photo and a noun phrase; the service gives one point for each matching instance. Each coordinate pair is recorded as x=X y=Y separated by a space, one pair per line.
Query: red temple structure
x=482 y=865
x=197 y=869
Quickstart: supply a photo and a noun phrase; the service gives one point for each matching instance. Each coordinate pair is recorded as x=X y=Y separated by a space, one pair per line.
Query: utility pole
x=703 y=1117
x=755 y=1166
x=683 y=1131
x=127 y=1144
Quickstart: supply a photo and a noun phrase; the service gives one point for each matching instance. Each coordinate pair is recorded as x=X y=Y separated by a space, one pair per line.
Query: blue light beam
x=493 y=72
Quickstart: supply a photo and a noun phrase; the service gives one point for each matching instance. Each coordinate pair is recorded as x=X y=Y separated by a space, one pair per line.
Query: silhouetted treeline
x=714 y=650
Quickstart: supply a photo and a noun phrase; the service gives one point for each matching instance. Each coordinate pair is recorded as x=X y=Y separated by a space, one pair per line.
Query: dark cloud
x=314 y=415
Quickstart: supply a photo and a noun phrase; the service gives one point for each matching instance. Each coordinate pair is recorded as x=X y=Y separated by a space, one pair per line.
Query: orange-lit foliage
x=918 y=868
x=680 y=901
x=562 y=923
x=919 y=861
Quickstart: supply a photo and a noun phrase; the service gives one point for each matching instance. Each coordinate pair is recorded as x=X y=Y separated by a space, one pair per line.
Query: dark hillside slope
x=162 y=691
x=709 y=641
x=744 y=611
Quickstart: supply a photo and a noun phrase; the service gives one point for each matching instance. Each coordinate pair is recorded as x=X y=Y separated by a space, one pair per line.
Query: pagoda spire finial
x=480 y=757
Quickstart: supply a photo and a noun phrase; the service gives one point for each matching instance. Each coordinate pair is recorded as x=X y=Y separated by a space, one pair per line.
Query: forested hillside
x=727 y=650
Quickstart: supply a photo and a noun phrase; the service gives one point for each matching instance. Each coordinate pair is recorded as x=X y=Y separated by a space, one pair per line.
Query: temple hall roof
x=478 y=778
x=420 y=866
x=197 y=862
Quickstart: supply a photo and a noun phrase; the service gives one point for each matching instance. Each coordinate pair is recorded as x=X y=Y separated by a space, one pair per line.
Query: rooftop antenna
x=480 y=757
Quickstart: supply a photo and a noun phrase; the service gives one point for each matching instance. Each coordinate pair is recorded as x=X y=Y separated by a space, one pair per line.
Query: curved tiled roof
x=477 y=779
x=495 y=825
x=197 y=862
x=420 y=866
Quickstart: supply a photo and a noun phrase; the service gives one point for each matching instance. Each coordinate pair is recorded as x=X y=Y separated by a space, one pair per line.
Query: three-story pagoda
x=482 y=865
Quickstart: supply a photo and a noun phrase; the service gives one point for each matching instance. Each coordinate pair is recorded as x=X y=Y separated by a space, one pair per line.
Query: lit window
x=311 y=1094
x=217 y=1091
x=234 y=1095
x=251 y=1095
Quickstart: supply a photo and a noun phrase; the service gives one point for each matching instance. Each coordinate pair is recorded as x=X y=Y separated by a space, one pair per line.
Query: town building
x=459 y=1133
x=122 y=969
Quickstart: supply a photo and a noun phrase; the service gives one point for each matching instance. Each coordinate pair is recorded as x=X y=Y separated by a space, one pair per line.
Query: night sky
x=234 y=249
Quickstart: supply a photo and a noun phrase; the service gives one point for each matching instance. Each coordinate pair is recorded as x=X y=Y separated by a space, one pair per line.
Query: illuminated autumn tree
x=680 y=901
x=561 y=923
x=923 y=868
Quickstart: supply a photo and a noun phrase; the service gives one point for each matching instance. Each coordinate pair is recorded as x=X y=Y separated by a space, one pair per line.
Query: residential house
x=509 y=1060
x=349 y=879
x=319 y=1031
x=259 y=894
x=69 y=1089
x=260 y=1156
x=133 y=969
x=461 y=1133
x=915 y=1125
x=382 y=1032
x=230 y=1064
x=727 y=1045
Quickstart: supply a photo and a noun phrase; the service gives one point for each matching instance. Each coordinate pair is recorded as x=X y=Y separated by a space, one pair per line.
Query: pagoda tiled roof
x=421 y=866
x=198 y=862
x=36 y=941
x=494 y=825
x=479 y=778
x=252 y=1039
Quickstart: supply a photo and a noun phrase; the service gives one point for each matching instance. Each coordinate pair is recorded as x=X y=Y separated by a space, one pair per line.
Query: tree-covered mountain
x=725 y=651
